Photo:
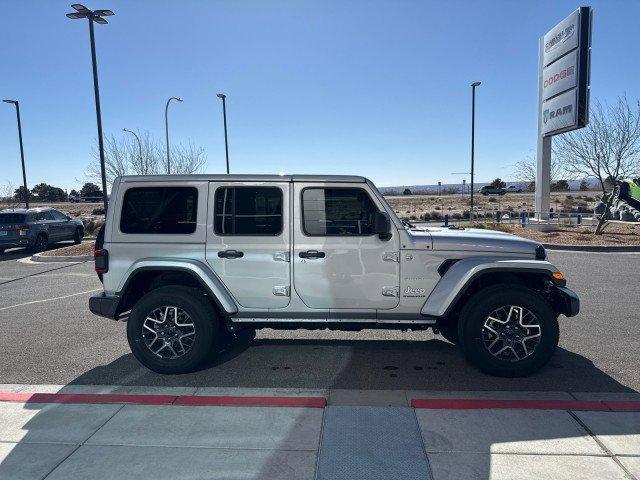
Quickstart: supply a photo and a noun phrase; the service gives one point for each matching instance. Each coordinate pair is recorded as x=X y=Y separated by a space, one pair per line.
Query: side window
x=248 y=211
x=337 y=211
x=59 y=216
x=159 y=210
x=43 y=216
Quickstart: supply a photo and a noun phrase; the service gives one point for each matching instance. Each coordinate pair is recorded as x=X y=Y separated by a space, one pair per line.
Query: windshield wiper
x=407 y=224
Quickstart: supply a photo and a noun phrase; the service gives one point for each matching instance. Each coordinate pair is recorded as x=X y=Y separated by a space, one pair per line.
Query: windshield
x=9 y=218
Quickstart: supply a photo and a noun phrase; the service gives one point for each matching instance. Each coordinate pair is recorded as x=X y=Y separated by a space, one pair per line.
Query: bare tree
x=607 y=149
x=7 y=195
x=525 y=170
x=123 y=156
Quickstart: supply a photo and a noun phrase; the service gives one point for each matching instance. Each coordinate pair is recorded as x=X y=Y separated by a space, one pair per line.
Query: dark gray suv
x=36 y=228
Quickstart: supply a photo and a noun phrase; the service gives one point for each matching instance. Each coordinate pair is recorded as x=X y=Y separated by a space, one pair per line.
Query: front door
x=338 y=262
x=248 y=241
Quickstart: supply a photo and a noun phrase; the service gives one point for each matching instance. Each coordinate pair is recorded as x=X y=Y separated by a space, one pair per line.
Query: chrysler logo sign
x=559 y=38
x=558 y=112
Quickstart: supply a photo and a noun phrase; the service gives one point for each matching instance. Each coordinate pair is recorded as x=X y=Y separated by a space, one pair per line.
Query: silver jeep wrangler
x=192 y=262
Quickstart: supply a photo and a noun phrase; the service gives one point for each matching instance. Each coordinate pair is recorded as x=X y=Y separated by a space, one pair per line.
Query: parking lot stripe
x=50 y=299
x=475 y=404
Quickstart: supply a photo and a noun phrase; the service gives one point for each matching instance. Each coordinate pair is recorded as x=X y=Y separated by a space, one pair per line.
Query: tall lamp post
x=166 y=129
x=224 y=116
x=139 y=143
x=24 y=173
x=95 y=16
x=473 y=140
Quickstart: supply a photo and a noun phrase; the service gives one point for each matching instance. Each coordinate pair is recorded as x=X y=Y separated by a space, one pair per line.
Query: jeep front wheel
x=508 y=330
x=173 y=329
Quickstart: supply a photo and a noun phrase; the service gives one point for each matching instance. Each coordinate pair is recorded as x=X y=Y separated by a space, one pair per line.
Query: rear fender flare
x=209 y=281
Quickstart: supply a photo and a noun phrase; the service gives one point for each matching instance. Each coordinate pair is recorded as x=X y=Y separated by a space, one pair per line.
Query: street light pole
x=224 y=116
x=24 y=173
x=166 y=129
x=139 y=144
x=95 y=16
x=473 y=133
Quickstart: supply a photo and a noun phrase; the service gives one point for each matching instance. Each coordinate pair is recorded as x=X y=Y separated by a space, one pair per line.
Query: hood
x=472 y=239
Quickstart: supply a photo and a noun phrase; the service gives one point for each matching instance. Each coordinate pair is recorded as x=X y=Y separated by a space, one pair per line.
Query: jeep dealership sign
x=564 y=74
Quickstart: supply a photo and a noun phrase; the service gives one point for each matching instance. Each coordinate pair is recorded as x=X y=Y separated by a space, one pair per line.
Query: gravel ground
x=85 y=248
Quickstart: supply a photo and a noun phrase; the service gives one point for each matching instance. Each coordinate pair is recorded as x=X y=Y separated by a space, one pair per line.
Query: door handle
x=311 y=254
x=230 y=254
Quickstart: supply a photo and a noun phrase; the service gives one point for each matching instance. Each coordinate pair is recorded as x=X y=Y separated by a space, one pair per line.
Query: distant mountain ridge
x=573 y=185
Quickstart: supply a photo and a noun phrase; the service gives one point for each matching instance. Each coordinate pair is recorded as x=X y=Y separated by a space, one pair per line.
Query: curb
x=178 y=400
x=592 y=248
x=480 y=404
x=38 y=257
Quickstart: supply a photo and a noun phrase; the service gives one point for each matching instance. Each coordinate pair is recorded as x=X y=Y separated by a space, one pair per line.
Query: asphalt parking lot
x=48 y=336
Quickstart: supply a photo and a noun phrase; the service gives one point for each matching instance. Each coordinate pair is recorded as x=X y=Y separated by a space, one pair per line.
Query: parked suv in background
x=491 y=190
x=36 y=228
x=514 y=189
x=192 y=261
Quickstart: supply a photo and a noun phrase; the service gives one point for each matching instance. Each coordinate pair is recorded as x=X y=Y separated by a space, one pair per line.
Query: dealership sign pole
x=563 y=91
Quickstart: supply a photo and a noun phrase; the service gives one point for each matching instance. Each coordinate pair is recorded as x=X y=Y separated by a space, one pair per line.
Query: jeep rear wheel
x=508 y=330
x=41 y=243
x=173 y=329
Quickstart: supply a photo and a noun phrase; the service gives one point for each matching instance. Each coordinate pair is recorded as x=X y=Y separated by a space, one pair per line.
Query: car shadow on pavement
x=19 y=253
x=357 y=364
x=459 y=444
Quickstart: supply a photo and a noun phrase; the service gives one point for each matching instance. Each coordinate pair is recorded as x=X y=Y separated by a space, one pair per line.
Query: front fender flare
x=210 y=282
x=462 y=273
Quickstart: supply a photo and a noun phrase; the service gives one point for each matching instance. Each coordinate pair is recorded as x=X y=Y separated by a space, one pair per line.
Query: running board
x=425 y=321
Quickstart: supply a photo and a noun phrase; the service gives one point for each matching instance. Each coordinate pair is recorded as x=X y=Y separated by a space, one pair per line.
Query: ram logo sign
x=559 y=112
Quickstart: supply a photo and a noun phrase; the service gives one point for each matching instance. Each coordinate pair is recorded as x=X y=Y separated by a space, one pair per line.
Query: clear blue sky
x=378 y=88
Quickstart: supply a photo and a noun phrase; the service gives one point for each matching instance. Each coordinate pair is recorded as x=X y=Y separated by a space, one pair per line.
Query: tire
x=77 y=236
x=41 y=243
x=200 y=312
x=475 y=336
x=449 y=330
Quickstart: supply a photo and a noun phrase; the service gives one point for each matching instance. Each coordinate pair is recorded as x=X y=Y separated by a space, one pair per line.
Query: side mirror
x=68 y=218
x=382 y=225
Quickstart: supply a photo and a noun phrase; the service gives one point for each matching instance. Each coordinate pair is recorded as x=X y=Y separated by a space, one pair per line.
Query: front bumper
x=104 y=305
x=566 y=301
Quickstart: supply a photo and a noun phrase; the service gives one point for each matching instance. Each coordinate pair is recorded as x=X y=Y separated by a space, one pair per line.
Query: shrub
x=98 y=211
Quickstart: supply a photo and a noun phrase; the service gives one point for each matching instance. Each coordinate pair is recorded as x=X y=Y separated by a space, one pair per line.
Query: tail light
x=101 y=259
x=23 y=229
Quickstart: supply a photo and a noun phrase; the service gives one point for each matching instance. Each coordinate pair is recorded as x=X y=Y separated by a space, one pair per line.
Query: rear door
x=249 y=241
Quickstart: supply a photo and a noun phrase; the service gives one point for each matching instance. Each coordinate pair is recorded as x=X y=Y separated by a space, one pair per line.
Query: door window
x=159 y=210
x=59 y=216
x=337 y=212
x=251 y=211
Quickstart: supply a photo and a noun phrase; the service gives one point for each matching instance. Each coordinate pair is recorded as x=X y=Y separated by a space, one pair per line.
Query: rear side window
x=9 y=218
x=248 y=211
x=337 y=212
x=159 y=210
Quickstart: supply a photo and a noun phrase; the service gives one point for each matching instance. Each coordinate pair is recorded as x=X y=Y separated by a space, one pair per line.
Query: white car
x=514 y=189
x=192 y=260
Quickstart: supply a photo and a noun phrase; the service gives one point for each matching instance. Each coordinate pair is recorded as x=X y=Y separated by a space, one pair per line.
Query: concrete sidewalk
x=340 y=441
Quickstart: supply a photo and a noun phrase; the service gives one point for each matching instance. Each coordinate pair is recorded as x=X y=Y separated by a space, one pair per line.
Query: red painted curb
x=192 y=400
x=28 y=397
x=311 y=402
x=474 y=404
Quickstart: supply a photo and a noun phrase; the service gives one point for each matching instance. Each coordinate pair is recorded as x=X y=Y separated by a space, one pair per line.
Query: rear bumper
x=104 y=305
x=15 y=242
x=566 y=301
